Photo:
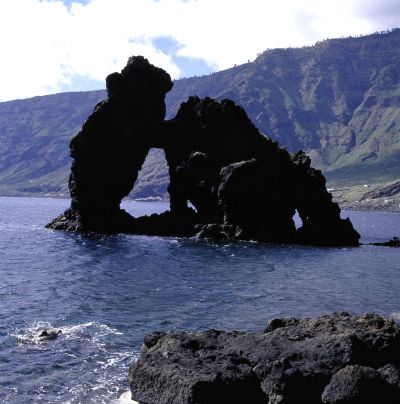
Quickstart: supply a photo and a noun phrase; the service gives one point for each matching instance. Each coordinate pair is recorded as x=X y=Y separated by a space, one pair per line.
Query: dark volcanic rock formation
x=338 y=358
x=394 y=242
x=241 y=184
x=111 y=147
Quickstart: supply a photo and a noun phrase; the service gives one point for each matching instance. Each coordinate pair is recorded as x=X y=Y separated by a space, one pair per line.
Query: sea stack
x=241 y=184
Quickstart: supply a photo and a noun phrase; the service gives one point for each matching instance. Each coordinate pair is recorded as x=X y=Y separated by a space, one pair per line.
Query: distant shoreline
x=343 y=206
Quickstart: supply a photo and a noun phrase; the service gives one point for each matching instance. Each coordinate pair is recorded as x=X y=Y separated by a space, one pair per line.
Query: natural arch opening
x=150 y=186
x=297 y=220
x=153 y=178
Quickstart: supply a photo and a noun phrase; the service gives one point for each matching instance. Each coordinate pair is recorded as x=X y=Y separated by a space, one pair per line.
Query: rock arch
x=241 y=183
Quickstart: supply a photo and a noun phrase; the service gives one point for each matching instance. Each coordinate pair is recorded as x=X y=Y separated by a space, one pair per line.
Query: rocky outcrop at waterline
x=49 y=335
x=241 y=184
x=394 y=242
x=337 y=358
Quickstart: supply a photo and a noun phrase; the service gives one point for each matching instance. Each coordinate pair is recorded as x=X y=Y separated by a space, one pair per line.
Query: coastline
x=382 y=197
x=352 y=206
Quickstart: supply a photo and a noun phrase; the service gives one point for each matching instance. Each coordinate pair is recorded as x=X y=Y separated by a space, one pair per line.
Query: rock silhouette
x=394 y=242
x=242 y=184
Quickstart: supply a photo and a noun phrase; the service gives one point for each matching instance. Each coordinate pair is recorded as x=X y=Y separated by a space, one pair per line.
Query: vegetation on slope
x=338 y=100
x=34 y=137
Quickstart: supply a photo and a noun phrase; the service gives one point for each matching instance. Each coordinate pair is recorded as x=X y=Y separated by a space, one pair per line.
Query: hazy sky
x=49 y=46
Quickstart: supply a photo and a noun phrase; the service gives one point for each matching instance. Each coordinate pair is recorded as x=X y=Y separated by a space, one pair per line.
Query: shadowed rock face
x=242 y=185
x=111 y=147
x=338 y=358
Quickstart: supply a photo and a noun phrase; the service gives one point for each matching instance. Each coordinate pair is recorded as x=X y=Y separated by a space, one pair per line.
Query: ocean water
x=106 y=292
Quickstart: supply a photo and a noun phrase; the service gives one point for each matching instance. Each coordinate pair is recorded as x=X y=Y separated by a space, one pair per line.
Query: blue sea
x=106 y=292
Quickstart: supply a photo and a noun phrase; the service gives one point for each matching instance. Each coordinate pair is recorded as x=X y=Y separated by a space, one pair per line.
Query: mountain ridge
x=338 y=100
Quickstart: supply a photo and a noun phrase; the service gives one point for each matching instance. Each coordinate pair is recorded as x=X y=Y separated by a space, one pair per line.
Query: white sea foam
x=103 y=329
x=111 y=373
x=126 y=398
x=395 y=316
x=31 y=333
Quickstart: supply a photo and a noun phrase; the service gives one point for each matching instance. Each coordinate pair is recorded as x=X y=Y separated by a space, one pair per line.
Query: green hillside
x=34 y=136
x=338 y=100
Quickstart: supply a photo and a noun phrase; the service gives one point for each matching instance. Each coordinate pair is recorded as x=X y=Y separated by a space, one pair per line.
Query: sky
x=50 y=46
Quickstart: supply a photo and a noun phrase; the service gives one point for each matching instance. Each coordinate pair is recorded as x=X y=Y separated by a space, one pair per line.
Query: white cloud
x=45 y=43
x=381 y=14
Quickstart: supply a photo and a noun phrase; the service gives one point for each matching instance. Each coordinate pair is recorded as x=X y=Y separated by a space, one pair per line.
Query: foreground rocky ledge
x=337 y=358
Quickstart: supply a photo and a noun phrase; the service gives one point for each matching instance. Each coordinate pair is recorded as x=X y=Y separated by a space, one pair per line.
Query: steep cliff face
x=34 y=137
x=338 y=100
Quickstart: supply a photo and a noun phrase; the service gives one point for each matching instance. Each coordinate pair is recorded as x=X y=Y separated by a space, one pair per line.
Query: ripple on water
x=106 y=292
x=90 y=330
x=79 y=365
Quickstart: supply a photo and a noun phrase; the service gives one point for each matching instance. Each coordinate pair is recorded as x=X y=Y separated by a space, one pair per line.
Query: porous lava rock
x=336 y=358
x=360 y=384
x=241 y=184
